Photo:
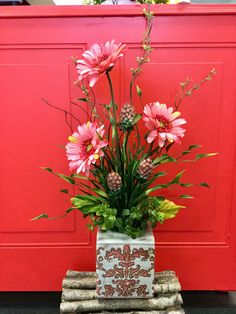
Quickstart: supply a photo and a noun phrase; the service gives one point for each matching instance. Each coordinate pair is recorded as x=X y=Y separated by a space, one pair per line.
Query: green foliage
x=204 y=184
x=40 y=217
x=103 y=216
x=152 y=1
x=92 y=2
x=169 y=209
x=133 y=221
x=185 y=196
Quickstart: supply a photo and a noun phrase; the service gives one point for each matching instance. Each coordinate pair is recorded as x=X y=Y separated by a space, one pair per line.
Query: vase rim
x=116 y=238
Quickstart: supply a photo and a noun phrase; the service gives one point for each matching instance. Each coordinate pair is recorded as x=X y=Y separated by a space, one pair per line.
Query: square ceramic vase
x=125 y=266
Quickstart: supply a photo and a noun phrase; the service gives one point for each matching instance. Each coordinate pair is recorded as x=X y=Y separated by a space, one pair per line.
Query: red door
x=35 y=63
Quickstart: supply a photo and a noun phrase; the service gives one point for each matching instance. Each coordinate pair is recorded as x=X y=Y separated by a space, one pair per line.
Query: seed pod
x=114 y=181
x=127 y=115
x=145 y=168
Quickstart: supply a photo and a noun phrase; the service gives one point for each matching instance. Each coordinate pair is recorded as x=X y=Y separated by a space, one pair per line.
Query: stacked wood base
x=79 y=296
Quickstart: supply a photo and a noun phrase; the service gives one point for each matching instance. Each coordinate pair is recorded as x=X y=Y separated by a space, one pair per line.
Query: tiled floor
x=48 y=302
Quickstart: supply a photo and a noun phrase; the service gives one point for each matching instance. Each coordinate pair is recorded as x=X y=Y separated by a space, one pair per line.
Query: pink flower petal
x=152 y=135
x=87 y=149
x=98 y=60
x=163 y=123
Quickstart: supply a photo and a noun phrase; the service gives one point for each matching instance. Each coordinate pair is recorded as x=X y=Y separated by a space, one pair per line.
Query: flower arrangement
x=98 y=2
x=113 y=174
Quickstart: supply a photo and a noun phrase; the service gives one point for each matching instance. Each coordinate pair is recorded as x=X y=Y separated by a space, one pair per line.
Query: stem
x=124 y=146
x=155 y=151
x=147 y=50
x=185 y=92
x=66 y=113
x=150 y=148
x=114 y=121
x=112 y=98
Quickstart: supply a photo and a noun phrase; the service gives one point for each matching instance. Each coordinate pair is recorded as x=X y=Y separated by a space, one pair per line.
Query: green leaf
x=125 y=212
x=66 y=178
x=40 y=217
x=78 y=176
x=204 y=184
x=178 y=176
x=90 y=227
x=190 y=148
x=163 y=159
x=47 y=169
x=87 y=210
x=157 y=187
x=160 y=198
x=80 y=203
x=185 y=196
x=64 y=191
x=83 y=99
x=137 y=118
x=186 y=152
x=91 y=198
x=70 y=209
x=200 y=156
x=100 y=192
x=169 y=209
x=194 y=146
x=186 y=184
x=159 y=174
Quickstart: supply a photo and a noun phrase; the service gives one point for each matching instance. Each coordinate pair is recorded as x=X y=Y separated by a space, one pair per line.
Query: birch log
x=177 y=311
x=78 y=274
x=79 y=283
x=159 y=303
x=164 y=282
x=78 y=295
x=86 y=294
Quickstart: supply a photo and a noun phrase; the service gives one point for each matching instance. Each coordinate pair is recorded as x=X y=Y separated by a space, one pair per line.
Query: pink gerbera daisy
x=163 y=123
x=85 y=147
x=98 y=60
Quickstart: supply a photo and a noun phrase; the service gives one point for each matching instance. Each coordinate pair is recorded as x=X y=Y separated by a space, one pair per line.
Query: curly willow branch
x=146 y=44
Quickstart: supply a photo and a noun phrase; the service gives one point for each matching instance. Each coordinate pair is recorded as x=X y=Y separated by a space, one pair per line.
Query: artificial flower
x=98 y=60
x=163 y=123
x=85 y=147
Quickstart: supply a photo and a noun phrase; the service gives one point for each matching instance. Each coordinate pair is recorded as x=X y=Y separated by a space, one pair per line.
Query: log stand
x=79 y=296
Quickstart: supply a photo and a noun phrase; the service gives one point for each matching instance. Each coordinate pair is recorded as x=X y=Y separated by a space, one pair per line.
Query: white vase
x=125 y=266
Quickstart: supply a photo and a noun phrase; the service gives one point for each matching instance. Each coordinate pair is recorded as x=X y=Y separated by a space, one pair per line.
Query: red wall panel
x=36 y=45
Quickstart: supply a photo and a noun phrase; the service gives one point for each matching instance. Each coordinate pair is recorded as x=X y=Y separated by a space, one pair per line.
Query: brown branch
x=62 y=110
x=79 y=106
x=186 y=92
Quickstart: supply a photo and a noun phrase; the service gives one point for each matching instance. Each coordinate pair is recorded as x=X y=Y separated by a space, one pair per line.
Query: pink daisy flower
x=98 y=60
x=85 y=147
x=163 y=123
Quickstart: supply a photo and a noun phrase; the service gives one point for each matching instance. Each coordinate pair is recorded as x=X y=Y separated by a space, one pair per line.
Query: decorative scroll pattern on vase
x=125 y=271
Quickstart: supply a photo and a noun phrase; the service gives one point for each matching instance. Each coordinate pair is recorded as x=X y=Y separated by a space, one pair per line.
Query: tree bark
x=78 y=294
x=177 y=311
x=80 y=274
x=161 y=302
x=164 y=282
x=79 y=283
